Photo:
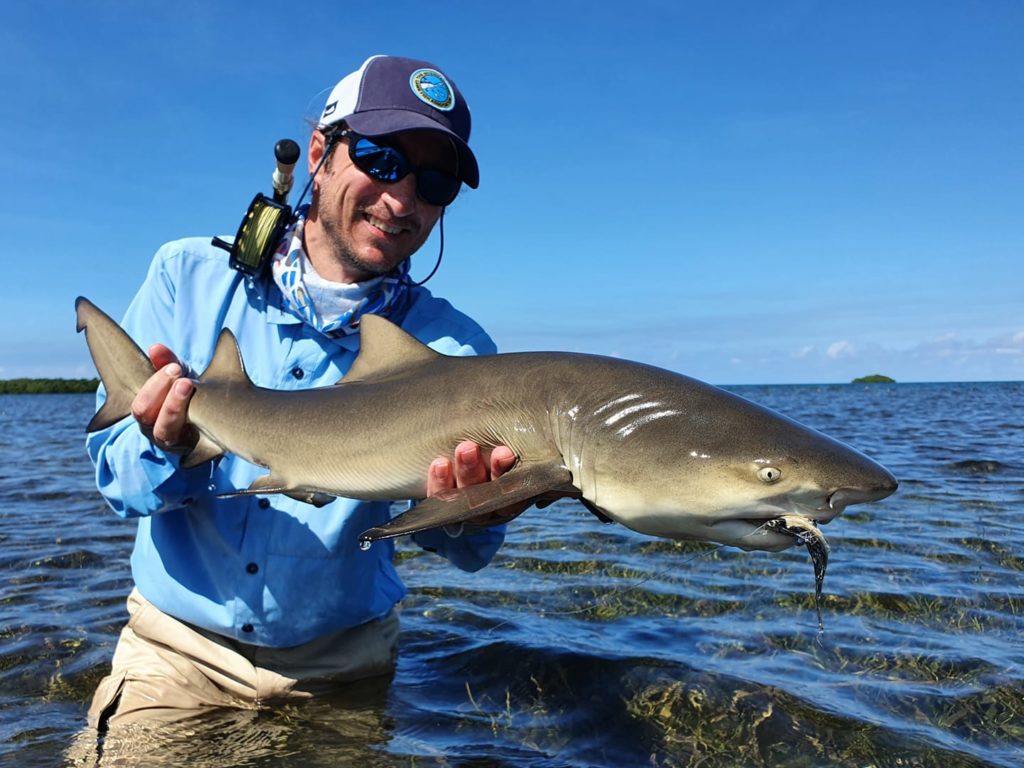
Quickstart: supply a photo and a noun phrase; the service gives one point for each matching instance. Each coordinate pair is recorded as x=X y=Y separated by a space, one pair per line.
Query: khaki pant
x=166 y=670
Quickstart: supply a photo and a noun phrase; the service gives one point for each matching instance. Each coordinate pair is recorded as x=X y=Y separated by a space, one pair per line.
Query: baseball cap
x=389 y=94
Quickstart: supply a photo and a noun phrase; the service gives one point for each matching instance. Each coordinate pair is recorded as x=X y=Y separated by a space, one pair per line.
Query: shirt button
x=298 y=373
x=264 y=503
x=252 y=568
x=247 y=627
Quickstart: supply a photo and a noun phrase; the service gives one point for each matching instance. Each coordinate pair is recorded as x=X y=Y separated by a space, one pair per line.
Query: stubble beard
x=343 y=253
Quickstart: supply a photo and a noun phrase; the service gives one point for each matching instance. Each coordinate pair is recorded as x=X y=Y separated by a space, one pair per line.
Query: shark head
x=718 y=468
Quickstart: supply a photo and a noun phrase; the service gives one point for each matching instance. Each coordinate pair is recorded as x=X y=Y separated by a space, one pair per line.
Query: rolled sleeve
x=469 y=552
x=136 y=478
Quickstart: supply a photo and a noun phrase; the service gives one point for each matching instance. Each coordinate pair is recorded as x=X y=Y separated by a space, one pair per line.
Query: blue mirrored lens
x=389 y=165
x=382 y=163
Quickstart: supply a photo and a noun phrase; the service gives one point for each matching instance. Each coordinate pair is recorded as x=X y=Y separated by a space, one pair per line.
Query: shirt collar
x=264 y=293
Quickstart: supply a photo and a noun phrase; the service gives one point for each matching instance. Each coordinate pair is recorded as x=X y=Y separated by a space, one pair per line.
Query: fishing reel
x=266 y=219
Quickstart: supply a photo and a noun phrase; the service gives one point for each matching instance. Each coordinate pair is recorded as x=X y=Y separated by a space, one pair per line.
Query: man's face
x=359 y=227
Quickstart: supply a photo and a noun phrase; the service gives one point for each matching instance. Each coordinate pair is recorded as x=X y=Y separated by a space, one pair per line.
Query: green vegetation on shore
x=875 y=378
x=47 y=386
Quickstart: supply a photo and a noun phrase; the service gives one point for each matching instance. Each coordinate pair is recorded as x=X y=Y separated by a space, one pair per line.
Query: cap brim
x=383 y=122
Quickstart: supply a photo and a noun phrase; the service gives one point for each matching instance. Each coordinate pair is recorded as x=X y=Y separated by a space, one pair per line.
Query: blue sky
x=745 y=192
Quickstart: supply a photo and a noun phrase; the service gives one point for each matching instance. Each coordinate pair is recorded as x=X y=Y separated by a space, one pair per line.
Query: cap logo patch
x=431 y=87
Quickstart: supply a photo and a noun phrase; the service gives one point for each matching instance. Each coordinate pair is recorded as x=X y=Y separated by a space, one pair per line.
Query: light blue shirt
x=266 y=570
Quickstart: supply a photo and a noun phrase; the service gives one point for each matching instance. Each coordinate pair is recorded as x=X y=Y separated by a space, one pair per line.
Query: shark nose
x=844 y=497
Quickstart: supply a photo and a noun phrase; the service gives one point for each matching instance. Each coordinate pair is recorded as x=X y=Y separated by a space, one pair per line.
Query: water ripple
x=586 y=644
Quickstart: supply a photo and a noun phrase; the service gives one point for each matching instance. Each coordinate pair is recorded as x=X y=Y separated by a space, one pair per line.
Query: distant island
x=47 y=386
x=875 y=378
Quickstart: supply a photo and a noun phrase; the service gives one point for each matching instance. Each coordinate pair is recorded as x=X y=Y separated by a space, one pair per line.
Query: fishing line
x=331 y=141
x=440 y=253
x=258 y=228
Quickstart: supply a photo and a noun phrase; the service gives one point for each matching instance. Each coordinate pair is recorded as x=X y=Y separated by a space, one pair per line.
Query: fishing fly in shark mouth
x=806 y=532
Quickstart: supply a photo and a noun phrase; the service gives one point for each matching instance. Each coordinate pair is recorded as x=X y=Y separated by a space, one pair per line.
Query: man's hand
x=161 y=404
x=471 y=466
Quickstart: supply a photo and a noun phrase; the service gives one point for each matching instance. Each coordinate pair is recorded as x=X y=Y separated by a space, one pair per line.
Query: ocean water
x=585 y=644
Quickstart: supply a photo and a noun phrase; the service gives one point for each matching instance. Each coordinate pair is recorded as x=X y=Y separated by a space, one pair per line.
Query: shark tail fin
x=123 y=367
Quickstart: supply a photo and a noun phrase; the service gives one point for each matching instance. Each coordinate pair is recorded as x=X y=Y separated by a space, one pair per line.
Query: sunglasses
x=389 y=165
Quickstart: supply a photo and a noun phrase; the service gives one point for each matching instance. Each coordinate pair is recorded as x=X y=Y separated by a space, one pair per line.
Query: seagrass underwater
x=586 y=644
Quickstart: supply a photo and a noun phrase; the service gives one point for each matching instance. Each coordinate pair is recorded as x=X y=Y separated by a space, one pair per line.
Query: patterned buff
x=333 y=309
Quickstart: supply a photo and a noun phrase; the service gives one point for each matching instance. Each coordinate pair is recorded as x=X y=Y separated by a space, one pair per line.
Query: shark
x=656 y=451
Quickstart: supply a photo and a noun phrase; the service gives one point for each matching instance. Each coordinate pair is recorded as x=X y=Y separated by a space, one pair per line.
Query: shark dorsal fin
x=385 y=349
x=226 y=365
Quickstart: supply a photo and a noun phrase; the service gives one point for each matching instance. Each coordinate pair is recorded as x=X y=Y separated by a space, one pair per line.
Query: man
x=249 y=599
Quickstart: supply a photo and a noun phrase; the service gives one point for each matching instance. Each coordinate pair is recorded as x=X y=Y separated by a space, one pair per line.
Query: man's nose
x=401 y=196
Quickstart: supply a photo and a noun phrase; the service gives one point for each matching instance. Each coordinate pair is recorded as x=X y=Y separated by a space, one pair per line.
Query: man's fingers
x=161 y=356
x=502 y=460
x=161 y=404
x=470 y=467
x=150 y=397
x=440 y=477
x=170 y=428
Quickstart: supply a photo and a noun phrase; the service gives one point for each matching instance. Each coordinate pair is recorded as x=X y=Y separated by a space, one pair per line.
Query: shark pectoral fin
x=595 y=510
x=271 y=484
x=205 y=450
x=524 y=483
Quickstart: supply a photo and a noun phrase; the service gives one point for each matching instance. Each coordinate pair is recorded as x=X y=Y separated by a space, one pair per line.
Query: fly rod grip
x=286 y=153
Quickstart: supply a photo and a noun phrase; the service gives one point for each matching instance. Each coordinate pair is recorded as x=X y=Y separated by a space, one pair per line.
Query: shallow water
x=586 y=644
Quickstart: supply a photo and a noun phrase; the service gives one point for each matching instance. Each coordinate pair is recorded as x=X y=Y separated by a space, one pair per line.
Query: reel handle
x=286 y=153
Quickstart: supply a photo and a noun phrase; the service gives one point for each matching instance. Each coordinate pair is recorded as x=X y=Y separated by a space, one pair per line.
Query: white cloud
x=943 y=357
x=840 y=349
x=951 y=344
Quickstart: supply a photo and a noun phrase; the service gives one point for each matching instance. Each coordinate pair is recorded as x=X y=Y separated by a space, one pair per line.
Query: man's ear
x=317 y=143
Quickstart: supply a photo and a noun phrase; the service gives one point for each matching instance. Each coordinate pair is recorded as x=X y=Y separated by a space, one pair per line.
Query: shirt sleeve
x=133 y=475
x=469 y=552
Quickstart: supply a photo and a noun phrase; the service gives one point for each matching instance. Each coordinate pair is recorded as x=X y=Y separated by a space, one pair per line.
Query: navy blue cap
x=389 y=94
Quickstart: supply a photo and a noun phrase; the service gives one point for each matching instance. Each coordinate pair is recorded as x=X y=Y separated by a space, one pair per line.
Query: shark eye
x=769 y=474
